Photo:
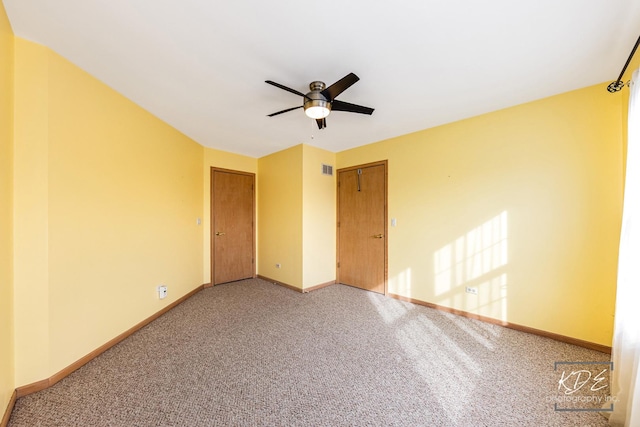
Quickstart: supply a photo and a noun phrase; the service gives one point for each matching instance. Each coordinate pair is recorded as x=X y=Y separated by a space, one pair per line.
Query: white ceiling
x=200 y=65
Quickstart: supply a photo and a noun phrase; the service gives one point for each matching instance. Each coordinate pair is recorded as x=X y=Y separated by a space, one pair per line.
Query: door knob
x=378 y=236
x=219 y=233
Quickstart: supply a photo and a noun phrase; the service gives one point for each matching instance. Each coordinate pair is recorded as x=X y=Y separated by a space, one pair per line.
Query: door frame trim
x=384 y=163
x=212 y=241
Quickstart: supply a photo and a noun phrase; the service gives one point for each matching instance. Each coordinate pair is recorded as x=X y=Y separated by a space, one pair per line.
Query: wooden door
x=232 y=226
x=362 y=226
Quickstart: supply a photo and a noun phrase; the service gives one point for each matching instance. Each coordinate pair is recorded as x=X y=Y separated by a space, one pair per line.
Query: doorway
x=362 y=227
x=232 y=225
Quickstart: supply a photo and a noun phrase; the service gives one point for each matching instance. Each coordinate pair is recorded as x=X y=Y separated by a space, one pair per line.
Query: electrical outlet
x=278 y=265
x=162 y=291
x=471 y=290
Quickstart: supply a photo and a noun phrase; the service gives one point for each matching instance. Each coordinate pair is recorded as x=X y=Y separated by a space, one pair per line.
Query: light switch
x=393 y=222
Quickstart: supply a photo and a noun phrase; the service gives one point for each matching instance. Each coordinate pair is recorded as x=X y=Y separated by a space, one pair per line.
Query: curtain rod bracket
x=615 y=86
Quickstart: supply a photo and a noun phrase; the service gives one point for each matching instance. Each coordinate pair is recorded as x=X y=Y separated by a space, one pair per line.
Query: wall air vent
x=327 y=170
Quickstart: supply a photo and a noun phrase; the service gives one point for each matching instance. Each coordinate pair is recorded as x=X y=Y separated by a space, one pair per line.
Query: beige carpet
x=252 y=353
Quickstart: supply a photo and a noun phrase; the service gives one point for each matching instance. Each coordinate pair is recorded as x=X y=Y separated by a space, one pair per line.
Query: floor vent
x=327 y=170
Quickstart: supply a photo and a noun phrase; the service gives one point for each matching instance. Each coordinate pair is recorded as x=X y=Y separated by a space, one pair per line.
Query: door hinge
x=338 y=265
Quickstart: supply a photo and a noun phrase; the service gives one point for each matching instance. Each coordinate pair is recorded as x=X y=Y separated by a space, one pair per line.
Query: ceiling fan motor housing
x=315 y=98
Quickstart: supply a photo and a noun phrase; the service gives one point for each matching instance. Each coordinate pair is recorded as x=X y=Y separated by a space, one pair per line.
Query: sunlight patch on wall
x=483 y=249
x=443 y=266
x=401 y=282
x=492 y=296
x=466 y=270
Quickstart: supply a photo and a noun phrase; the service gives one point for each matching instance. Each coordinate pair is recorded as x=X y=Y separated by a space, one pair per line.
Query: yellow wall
x=523 y=203
x=280 y=216
x=31 y=272
x=318 y=217
x=224 y=160
x=106 y=202
x=297 y=211
x=6 y=211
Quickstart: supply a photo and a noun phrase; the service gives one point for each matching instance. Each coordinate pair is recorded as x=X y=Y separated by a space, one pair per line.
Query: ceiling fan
x=321 y=100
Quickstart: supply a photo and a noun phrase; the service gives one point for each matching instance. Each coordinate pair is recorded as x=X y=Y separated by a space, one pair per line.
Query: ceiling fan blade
x=351 y=108
x=340 y=86
x=284 y=111
x=322 y=123
x=288 y=89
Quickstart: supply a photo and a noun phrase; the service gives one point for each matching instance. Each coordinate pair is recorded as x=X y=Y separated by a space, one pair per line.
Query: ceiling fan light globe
x=316 y=106
x=317 y=112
